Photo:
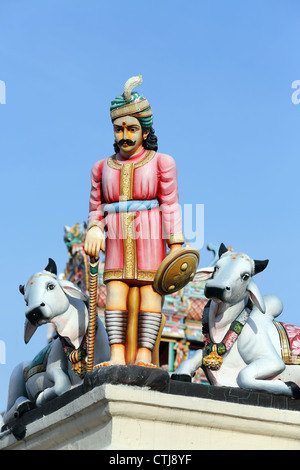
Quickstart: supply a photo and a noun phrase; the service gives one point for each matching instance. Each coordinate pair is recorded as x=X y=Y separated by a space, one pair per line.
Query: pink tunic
x=136 y=241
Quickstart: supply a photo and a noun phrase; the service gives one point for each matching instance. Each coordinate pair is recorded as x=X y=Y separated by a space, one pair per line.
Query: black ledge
x=153 y=379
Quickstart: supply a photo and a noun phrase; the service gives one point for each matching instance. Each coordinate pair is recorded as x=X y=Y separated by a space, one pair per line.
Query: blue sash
x=130 y=206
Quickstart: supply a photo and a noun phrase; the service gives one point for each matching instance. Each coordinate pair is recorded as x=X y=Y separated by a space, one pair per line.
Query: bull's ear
x=259 y=266
x=255 y=296
x=203 y=274
x=222 y=250
x=29 y=330
x=72 y=290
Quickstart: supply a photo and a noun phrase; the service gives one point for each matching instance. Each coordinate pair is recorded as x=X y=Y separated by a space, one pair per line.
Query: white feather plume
x=131 y=83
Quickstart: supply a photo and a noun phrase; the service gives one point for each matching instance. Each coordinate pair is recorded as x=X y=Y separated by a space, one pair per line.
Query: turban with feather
x=132 y=104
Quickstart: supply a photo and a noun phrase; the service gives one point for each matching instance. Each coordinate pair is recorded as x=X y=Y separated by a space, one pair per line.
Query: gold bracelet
x=96 y=223
x=175 y=238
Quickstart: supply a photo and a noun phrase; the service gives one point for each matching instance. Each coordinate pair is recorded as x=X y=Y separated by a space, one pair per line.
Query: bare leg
x=150 y=306
x=116 y=317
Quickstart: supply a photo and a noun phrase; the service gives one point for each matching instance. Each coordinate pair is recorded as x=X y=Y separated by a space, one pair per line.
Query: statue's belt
x=130 y=206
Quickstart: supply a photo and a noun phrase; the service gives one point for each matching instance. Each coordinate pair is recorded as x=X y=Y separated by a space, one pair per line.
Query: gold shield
x=176 y=270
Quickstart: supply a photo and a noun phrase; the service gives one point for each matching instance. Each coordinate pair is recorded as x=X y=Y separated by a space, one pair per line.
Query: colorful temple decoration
x=182 y=333
x=77 y=268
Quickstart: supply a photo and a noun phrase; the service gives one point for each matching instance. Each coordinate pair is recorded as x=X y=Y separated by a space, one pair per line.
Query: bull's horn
x=222 y=250
x=22 y=289
x=259 y=266
x=51 y=267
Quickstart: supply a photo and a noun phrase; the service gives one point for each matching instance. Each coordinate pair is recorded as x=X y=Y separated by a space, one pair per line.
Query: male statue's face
x=129 y=135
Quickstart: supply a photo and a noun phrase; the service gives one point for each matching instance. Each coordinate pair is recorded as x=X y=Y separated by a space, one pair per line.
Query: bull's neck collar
x=236 y=316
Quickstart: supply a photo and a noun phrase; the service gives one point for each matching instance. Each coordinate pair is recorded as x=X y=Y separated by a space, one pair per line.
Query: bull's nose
x=35 y=314
x=214 y=292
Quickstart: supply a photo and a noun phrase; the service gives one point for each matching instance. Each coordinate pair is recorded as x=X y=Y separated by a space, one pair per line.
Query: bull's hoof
x=181 y=377
x=295 y=389
x=23 y=408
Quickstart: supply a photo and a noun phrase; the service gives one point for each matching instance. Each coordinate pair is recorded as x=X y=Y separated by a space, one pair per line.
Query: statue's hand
x=175 y=247
x=94 y=242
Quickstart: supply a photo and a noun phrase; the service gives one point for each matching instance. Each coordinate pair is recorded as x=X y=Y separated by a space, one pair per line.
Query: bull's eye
x=245 y=276
x=50 y=286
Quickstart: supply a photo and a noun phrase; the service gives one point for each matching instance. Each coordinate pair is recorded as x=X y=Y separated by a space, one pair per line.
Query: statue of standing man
x=134 y=212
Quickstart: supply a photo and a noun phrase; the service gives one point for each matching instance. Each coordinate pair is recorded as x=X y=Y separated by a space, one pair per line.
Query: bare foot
x=110 y=363
x=102 y=364
x=146 y=364
x=143 y=358
x=117 y=357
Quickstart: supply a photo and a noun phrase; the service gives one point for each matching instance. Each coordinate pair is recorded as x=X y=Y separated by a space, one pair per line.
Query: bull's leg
x=188 y=368
x=61 y=385
x=258 y=376
x=18 y=401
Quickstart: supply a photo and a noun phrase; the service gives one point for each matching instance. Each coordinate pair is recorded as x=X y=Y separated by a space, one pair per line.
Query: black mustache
x=126 y=141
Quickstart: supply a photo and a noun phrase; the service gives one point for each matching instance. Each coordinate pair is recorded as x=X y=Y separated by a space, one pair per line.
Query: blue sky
x=218 y=76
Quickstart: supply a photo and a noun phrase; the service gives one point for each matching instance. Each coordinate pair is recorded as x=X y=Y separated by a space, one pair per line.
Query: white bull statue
x=244 y=346
x=61 y=364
